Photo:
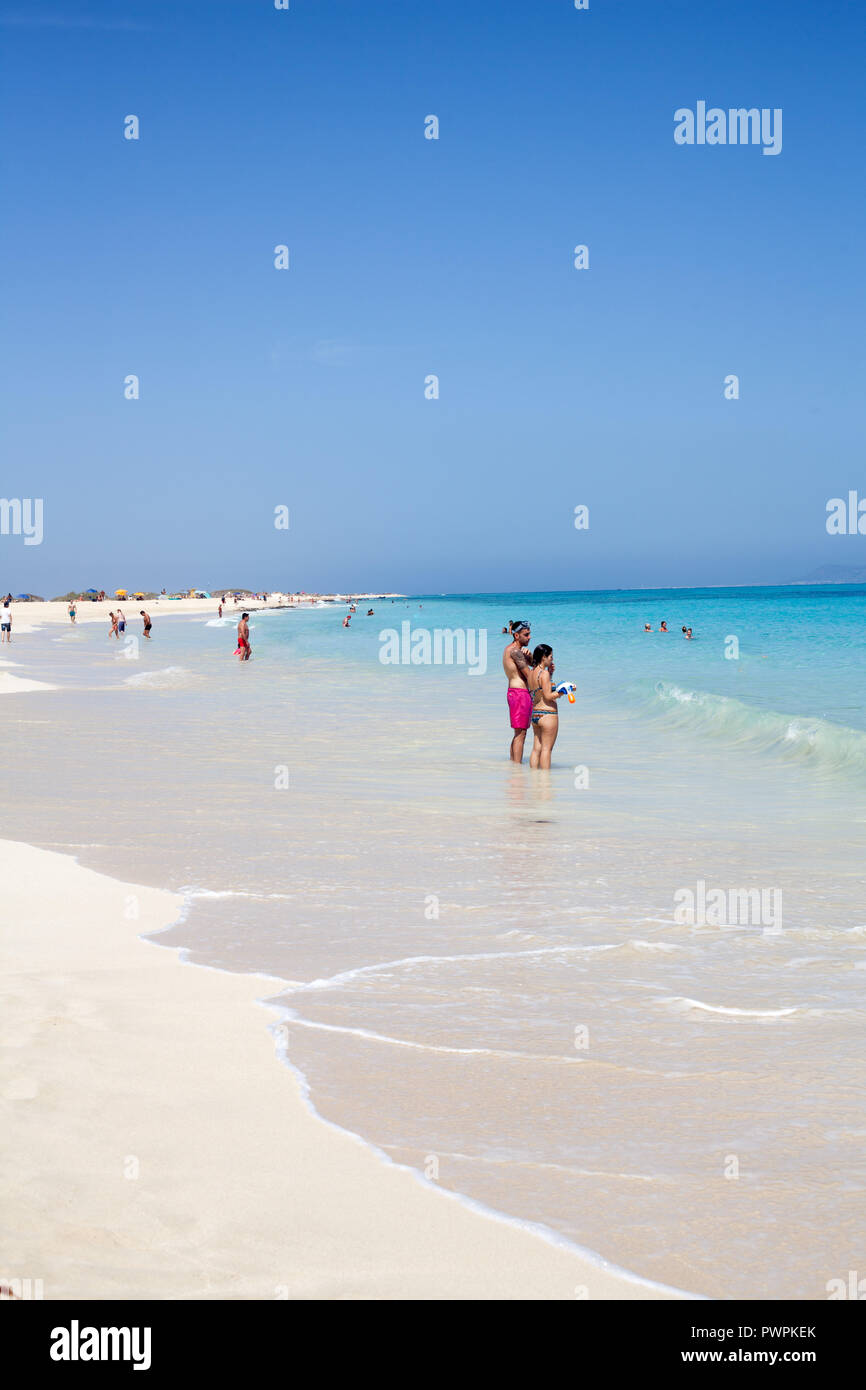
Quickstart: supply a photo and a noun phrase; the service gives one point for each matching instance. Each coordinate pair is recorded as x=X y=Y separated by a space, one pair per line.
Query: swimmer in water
x=664 y=626
x=545 y=716
x=516 y=665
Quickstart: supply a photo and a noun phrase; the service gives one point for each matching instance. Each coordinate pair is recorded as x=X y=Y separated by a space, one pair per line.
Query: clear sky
x=411 y=257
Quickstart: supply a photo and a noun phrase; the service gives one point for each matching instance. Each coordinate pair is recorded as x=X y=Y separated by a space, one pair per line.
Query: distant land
x=835 y=574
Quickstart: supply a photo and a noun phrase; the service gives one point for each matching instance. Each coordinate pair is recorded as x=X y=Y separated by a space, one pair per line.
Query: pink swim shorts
x=519 y=707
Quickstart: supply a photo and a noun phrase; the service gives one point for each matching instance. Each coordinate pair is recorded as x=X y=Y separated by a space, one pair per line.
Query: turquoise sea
x=489 y=973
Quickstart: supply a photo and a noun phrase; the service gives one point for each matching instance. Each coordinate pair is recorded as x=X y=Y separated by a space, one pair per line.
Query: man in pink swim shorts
x=515 y=663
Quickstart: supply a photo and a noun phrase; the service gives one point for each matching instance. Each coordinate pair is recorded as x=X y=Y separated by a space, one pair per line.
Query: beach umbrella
x=26 y=596
x=120 y=593
x=91 y=591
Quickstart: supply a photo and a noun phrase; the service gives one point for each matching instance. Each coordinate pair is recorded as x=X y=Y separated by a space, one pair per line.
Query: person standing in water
x=545 y=715
x=6 y=623
x=147 y=623
x=243 y=647
x=515 y=664
x=71 y=611
x=112 y=632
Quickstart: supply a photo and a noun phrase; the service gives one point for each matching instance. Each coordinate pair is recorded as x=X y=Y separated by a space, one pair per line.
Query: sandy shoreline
x=156 y=1148
x=28 y=617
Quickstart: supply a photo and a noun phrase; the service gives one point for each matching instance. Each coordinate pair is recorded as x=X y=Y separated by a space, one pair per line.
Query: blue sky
x=411 y=257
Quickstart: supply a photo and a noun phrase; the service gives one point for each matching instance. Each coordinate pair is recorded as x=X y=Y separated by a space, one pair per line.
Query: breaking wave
x=801 y=738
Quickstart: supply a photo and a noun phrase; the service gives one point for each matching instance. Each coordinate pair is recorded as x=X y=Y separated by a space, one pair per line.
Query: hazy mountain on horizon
x=835 y=574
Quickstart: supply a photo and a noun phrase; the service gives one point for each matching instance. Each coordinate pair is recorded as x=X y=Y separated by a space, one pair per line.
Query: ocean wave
x=230 y=893
x=803 y=738
x=678 y=1003
x=387 y=967
x=169 y=678
x=368 y=1036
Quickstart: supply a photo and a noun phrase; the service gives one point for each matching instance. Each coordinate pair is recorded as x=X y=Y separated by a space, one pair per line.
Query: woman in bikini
x=545 y=717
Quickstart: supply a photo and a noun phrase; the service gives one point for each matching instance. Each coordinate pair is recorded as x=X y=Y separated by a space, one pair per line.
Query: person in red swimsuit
x=243 y=648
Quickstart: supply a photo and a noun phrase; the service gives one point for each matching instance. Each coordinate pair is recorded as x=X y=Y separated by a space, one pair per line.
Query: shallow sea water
x=485 y=972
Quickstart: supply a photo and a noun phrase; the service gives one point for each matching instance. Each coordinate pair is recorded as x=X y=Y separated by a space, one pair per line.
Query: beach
x=28 y=617
x=465 y=993
x=154 y=1147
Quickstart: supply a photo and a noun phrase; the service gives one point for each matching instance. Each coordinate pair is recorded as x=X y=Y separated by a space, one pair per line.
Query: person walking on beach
x=243 y=647
x=147 y=623
x=121 y=621
x=545 y=716
x=71 y=611
x=113 y=629
x=515 y=663
x=6 y=623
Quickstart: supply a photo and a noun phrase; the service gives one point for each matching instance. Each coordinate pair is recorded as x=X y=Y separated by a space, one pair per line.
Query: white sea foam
x=682 y=1004
x=385 y=967
x=168 y=678
x=370 y=1036
x=230 y=893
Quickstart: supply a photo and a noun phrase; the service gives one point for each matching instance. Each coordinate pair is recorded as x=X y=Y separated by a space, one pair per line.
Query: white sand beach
x=29 y=616
x=154 y=1146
